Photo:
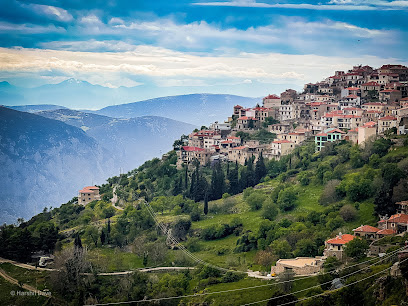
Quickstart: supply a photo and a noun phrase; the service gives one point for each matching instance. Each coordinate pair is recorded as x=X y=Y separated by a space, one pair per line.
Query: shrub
x=348 y=212
x=287 y=199
x=329 y=194
x=255 y=200
x=270 y=210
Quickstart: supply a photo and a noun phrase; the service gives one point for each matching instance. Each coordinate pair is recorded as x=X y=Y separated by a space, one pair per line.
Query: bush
x=255 y=200
x=270 y=210
x=348 y=213
x=329 y=194
x=356 y=248
x=287 y=199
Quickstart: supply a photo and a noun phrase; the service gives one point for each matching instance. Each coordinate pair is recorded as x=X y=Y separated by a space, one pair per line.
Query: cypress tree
x=260 y=169
x=77 y=242
x=103 y=237
x=206 y=203
x=233 y=181
x=186 y=179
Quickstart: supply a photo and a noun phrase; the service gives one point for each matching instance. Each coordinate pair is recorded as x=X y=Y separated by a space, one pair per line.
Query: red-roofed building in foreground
x=335 y=246
x=397 y=222
x=88 y=194
x=367 y=231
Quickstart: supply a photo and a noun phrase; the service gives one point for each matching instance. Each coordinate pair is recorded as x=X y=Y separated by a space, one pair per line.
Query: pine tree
x=250 y=173
x=178 y=185
x=186 y=179
x=217 y=182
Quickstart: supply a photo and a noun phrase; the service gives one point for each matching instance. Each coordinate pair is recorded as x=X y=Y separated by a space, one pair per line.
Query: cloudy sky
x=245 y=47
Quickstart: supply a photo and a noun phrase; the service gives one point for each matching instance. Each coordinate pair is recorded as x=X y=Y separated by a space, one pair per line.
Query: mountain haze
x=45 y=162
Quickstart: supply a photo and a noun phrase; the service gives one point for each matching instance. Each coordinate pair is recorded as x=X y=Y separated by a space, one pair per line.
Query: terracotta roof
x=341 y=239
x=372 y=111
x=366 y=229
x=404 y=99
x=89 y=189
x=387 y=118
x=239 y=148
x=352 y=96
x=237 y=106
x=372 y=83
x=386 y=231
x=321 y=134
x=370 y=124
x=282 y=141
x=271 y=97
x=192 y=149
x=398 y=218
x=233 y=137
x=226 y=141
x=336 y=131
x=353 y=88
x=247 y=118
x=390 y=90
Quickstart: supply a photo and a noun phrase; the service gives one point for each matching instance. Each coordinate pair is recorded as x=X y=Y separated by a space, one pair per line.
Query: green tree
x=357 y=248
x=260 y=169
x=287 y=199
x=255 y=200
x=269 y=210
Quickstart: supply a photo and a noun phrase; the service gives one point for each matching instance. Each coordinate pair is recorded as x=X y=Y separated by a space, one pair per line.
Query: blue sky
x=245 y=47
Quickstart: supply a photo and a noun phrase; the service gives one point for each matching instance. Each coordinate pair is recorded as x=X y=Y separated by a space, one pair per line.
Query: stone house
x=187 y=154
x=279 y=148
x=88 y=194
x=366 y=231
x=245 y=122
x=335 y=246
x=299 y=265
x=386 y=123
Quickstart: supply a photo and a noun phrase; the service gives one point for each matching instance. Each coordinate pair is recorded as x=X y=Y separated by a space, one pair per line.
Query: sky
x=243 y=47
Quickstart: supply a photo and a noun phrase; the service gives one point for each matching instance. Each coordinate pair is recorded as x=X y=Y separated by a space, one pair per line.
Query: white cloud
x=6 y=27
x=171 y=68
x=50 y=11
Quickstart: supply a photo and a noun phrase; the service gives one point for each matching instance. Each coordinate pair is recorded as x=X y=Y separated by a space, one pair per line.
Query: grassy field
x=37 y=279
x=111 y=260
x=7 y=298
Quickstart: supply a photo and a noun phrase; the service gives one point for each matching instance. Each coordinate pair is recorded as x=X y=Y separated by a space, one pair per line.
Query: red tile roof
x=321 y=134
x=237 y=106
x=271 y=97
x=366 y=229
x=390 y=90
x=341 y=239
x=89 y=189
x=387 y=118
x=370 y=124
x=239 y=148
x=353 y=88
x=404 y=99
x=192 y=149
x=386 y=231
x=398 y=218
x=372 y=83
x=336 y=131
x=352 y=96
x=247 y=118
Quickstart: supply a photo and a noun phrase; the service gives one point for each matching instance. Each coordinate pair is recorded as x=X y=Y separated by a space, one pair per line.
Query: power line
x=326 y=292
x=246 y=288
x=325 y=283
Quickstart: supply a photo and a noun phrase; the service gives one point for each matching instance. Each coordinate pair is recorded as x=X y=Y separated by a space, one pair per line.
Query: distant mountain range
x=132 y=140
x=198 y=109
x=45 y=162
x=46 y=157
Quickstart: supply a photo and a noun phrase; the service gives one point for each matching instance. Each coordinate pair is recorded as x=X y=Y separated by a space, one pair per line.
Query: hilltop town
x=354 y=105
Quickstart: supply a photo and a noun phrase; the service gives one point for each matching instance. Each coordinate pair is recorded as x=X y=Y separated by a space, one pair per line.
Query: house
x=335 y=246
x=187 y=154
x=386 y=123
x=385 y=232
x=298 y=265
x=245 y=122
x=370 y=89
x=402 y=207
x=88 y=194
x=366 y=231
x=271 y=101
x=295 y=137
x=279 y=128
x=390 y=95
x=329 y=135
x=369 y=129
x=377 y=106
x=279 y=148
x=286 y=112
x=397 y=222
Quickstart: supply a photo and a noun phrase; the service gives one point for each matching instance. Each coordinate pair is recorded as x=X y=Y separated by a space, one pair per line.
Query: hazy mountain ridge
x=195 y=108
x=133 y=140
x=45 y=162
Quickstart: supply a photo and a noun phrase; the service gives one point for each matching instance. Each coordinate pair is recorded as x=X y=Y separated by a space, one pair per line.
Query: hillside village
x=354 y=105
